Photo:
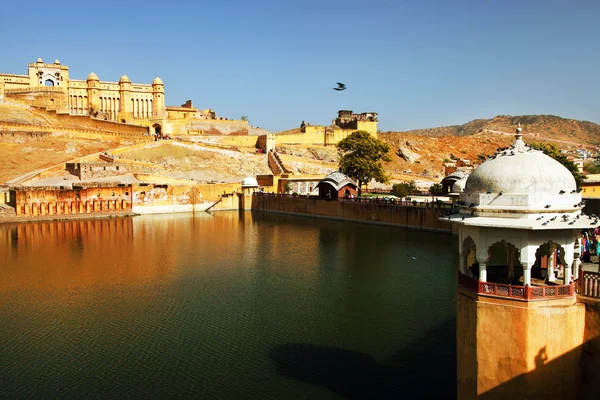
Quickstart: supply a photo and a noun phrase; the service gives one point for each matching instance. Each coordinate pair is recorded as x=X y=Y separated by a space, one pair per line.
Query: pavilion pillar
x=567 y=274
x=576 y=264
x=527 y=274
x=462 y=264
x=482 y=272
x=551 y=262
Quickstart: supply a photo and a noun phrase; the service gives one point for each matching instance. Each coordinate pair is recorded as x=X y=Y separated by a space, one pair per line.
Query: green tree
x=435 y=189
x=550 y=149
x=361 y=155
x=404 y=189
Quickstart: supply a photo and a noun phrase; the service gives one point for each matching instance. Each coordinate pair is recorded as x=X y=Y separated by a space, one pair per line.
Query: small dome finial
x=519 y=145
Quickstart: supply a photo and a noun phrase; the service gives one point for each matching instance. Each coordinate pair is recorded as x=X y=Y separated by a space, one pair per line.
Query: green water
x=226 y=306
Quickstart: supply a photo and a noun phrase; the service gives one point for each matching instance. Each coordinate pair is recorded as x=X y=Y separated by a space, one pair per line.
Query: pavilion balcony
x=517 y=292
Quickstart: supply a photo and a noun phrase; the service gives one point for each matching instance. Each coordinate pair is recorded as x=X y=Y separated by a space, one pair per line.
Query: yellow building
x=50 y=86
x=345 y=124
x=591 y=187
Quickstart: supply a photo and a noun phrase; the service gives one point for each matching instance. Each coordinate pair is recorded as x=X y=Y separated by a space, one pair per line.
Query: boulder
x=407 y=154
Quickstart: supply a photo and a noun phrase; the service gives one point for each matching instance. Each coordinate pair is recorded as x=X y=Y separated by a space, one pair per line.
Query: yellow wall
x=302 y=138
x=591 y=187
x=505 y=347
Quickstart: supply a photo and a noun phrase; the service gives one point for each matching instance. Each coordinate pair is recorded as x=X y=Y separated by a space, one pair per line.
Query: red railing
x=516 y=291
x=588 y=283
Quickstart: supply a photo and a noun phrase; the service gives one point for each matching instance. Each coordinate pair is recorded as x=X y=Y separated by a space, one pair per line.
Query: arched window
x=49 y=82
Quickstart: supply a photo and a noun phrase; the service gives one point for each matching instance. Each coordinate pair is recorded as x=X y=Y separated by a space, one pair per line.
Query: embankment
x=412 y=217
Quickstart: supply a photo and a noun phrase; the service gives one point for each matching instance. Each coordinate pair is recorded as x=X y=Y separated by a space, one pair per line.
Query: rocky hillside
x=561 y=130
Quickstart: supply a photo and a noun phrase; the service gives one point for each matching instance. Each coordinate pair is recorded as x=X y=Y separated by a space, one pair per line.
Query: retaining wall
x=423 y=218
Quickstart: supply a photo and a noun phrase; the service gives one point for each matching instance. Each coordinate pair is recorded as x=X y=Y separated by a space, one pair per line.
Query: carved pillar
x=482 y=272
x=551 y=262
x=462 y=266
x=576 y=264
x=527 y=274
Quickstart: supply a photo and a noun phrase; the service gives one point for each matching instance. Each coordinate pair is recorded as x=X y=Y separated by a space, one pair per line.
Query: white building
x=520 y=215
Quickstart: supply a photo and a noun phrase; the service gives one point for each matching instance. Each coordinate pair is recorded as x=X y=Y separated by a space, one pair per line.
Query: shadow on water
x=426 y=368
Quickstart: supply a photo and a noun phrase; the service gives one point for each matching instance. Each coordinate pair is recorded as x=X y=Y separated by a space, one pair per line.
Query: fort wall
x=34 y=201
x=423 y=218
x=301 y=138
x=210 y=127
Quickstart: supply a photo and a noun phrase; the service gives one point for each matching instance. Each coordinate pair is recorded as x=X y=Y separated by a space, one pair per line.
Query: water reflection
x=217 y=305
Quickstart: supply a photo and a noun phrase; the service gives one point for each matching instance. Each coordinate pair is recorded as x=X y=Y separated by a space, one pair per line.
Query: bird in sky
x=341 y=86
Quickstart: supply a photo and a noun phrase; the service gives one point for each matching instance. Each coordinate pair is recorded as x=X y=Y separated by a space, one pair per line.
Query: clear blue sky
x=419 y=63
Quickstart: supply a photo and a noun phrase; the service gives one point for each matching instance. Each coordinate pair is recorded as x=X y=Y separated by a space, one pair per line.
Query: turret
x=93 y=97
x=125 y=95
x=158 y=97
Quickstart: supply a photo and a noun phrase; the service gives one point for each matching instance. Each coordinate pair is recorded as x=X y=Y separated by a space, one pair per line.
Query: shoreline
x=13 y=219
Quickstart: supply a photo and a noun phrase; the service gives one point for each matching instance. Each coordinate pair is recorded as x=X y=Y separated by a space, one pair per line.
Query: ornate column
x=576 y=264
x=567 y=274
x=527 y=274
x=550 y=275
x=483 y=272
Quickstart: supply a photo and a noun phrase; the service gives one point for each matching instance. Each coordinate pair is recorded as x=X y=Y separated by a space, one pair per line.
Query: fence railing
x=397 y=202
x=516 y=291
x=588 y=283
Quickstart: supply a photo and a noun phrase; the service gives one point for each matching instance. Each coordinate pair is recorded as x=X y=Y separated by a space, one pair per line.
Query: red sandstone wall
x=407 y=216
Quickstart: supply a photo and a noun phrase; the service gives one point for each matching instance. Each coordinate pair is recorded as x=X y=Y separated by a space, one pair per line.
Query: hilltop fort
x=49 y=86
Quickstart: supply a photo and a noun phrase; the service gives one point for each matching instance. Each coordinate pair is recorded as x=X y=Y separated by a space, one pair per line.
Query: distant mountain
x=544 y=127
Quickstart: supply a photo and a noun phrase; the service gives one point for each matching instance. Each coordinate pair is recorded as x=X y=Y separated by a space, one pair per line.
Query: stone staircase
x=276 y=164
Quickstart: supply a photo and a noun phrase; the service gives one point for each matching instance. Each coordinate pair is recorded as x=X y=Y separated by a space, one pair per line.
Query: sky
x=418 y=63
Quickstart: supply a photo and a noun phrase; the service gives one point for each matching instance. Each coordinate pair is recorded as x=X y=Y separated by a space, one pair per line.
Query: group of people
x=589 y=243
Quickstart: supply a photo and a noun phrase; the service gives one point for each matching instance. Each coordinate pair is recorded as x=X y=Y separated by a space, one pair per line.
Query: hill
x=561 y=130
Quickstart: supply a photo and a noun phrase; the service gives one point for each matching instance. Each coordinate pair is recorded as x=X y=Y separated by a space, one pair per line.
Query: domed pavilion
x=519 y=217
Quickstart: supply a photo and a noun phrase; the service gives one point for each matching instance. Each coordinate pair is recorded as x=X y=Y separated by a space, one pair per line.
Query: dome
x=531 y=172
x=523 y=178
x=92 y=77
x=249 y=182
x=124 y=79
x=337 y=180
x=39 y=61
x=459 y=185
x=57 y=62
x=157 y=81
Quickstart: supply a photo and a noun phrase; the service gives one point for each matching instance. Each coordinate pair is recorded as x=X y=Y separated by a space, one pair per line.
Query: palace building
x=50 y=86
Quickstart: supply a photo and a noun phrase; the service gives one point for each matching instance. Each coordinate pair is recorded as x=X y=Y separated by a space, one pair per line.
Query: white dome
x=530 y=172
x=459 y=185
x=249 y=182
x=521 y=178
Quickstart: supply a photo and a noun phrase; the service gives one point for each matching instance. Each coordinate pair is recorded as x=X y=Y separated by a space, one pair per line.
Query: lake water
x=230 y=305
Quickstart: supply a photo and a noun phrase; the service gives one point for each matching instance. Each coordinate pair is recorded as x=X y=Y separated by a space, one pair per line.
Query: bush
x=404 y=189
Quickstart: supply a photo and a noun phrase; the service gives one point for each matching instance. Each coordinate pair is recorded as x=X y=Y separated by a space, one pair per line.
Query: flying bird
x=341 y=86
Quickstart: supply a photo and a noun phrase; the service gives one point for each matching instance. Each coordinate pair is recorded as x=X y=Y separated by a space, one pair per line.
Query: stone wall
x=32 y=201
x=212 y=127
x=424 y=218
x=91 y=170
